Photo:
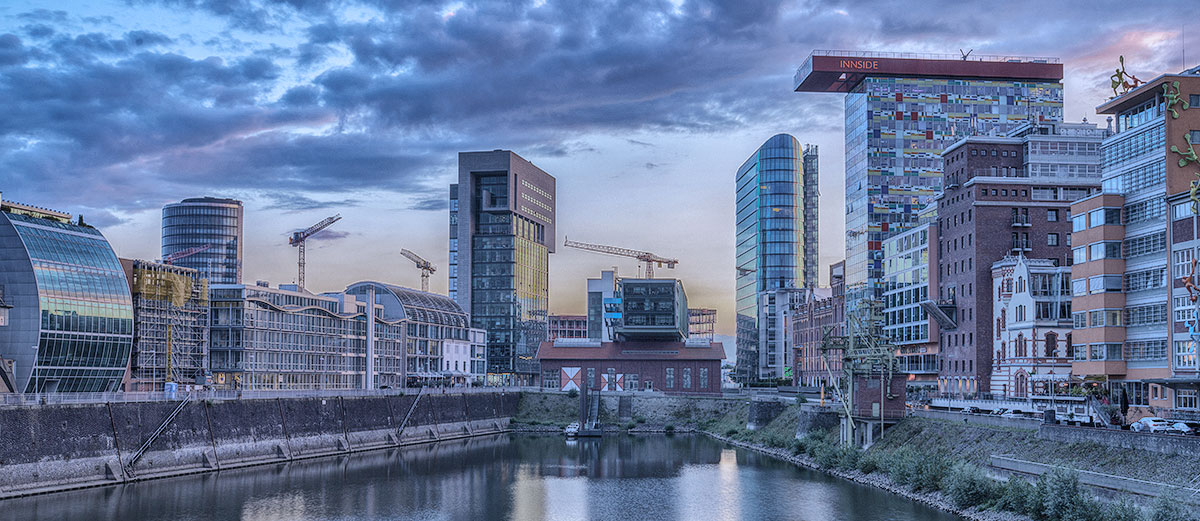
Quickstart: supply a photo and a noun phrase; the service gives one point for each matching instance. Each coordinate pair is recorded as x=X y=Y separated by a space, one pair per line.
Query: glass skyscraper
x=502 y=233
x=900 y=112
x=65 y=307
x=776 y=238
x=206 y=222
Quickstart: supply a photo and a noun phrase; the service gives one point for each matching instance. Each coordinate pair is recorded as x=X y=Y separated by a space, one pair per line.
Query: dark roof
x=841 y=71
x=633 y=351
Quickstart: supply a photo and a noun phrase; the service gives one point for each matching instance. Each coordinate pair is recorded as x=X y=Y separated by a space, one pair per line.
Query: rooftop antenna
x=965 y=54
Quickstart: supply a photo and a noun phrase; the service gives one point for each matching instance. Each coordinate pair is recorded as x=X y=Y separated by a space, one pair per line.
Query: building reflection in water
x=503 y=477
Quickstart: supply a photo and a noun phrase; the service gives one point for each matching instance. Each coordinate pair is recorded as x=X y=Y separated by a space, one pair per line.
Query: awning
x=1179 y=381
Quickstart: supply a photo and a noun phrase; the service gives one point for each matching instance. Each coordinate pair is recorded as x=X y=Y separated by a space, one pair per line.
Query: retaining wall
x=1171 y=444
x=60 y=447
x=979 y=419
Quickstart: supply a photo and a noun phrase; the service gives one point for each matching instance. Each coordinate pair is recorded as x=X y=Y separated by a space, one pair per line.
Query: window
x=1105 y=283
x=1145 y=279
x=1104 y=351
x=1105 y=250
x=1182 y=211
x=1145 y=315
x=1145 y=244
x=591 y=375
x=1183 y=309
x=703 y=378
x=1185 y=354
x=1181 y=263
x=687 y=377
x=551 y=379
x=1103 y=216
x=612 y=379
x=1079 y=319
x=1146 y=349
x=1079 y=223
x=1052 y=239
x=1052 y=215
x=1079 y=255
x=670 y=380
x=1142 y=211
x=1186 y=398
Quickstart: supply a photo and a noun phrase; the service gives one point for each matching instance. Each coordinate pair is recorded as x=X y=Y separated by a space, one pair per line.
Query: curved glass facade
x=202 y=221
x=71 y=327
x=776 y=233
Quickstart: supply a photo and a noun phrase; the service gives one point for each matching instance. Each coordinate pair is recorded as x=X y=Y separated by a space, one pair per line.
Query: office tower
x=901 y=111
x=213 y=227
x=502 y=209
x=702 y=323
x=66 y=316
x=910 y=267
x=1003 y=196
x=776 y=226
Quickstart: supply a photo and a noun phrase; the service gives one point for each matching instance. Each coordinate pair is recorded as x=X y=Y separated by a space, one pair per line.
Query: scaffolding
x=170 y=340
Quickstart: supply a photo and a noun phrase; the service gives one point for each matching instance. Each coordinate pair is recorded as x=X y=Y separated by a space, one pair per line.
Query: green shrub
x=921 y=472
x=639 y=419
x=1167 y=508
x=870 y=462
x=630 y=425
x=732 y=432
x=1062 y=499
x=669 y=429
x=1017 y=495
x=573 y=393
x=1122 y=511
x=967 y=486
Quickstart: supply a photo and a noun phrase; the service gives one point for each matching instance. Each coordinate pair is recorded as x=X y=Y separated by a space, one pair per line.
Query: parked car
x=999 y=412
x=1150 y=424
x=1180 y=428
x=972 y=410
x=572 y=430
x=1014 y=414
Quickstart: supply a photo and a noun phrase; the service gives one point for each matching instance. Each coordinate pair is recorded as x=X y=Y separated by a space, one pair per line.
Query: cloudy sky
x=643 y=110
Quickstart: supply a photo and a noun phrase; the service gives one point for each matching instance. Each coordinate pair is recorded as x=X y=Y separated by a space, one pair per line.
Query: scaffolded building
x=170 y=336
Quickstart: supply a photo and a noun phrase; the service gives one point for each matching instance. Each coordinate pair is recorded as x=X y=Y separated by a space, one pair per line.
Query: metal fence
x=34 y=399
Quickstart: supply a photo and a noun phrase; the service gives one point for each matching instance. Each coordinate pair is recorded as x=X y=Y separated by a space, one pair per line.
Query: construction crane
x=425 y=266
x=643 y=256
x=170 y=259
x=299 y=238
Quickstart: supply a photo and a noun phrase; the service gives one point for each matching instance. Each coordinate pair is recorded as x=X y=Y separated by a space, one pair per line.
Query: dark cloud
x=328 y=235
x=434 y=202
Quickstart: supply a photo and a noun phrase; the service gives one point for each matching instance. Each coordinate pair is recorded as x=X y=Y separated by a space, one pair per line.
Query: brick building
x=1003 y=196
x=692 y=367
x=825 y=307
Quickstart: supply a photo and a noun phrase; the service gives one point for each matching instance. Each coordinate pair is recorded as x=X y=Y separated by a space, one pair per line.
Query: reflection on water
x=502 y=477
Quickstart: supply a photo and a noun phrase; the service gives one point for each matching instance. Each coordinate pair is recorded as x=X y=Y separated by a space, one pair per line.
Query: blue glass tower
x=65 y=306
x=206 y=222
x=776 y=243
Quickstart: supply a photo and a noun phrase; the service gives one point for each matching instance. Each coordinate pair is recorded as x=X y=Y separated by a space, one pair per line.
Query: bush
x=1017 y=495
x=732 y=432
x=1062 y=499
x=870 y=462
x=573 y=393
x=1167 y=508
x=669 y=429
x=967 y=486
x=630 y=425
x=639 y=419
x=1123 y=511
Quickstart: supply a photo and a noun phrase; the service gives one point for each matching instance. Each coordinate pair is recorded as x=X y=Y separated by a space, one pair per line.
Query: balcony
x=945 y=312
x=1021 y=245
x=1020 y=221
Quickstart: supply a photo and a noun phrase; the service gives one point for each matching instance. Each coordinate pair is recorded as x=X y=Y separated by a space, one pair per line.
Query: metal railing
x=35 y=399
x=936 y=56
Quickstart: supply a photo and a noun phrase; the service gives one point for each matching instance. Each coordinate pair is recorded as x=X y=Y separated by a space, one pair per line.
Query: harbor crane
x=427 y=268
x=646 y=257
x=170 y=259
x=299 y=238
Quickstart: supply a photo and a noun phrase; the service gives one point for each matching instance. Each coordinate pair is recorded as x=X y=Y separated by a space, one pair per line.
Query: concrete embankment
x=60 y=447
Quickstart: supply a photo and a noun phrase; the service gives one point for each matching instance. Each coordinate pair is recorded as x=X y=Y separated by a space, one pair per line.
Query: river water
x=502 y=477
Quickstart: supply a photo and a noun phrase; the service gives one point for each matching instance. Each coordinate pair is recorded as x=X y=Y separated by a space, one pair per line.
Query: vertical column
x=369 y=375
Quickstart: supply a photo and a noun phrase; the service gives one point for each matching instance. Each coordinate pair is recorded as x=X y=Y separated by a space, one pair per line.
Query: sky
x=642 y=109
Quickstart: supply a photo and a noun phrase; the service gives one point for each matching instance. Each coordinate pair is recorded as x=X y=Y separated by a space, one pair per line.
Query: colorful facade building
x=901 y=112
x=825 y=309
x=776 y=243
x=1033 y=331
x=1003 y=196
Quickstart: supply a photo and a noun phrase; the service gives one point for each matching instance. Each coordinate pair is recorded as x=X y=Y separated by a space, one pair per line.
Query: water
x=502 y=477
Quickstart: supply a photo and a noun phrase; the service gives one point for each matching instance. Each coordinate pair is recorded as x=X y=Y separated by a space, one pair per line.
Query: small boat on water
x=571 y=430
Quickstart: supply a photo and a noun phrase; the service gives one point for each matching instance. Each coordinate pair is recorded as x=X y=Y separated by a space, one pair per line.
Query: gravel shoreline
x=878 y=480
